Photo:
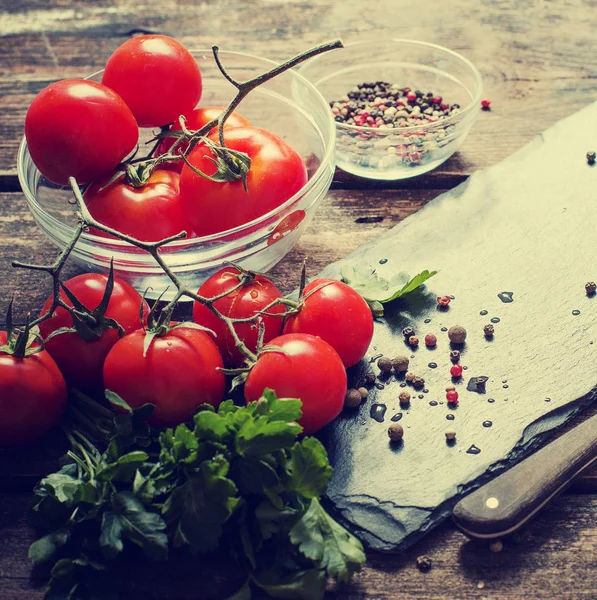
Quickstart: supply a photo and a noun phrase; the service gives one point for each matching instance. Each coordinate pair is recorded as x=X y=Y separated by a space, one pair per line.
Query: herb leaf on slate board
x=237 y=480
x=377 y=290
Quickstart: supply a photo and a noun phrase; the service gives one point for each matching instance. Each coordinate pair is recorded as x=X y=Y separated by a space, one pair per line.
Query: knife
x=507 y=502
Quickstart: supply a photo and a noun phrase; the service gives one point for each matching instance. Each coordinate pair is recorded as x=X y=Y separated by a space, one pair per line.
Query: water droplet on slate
x=440 y=402
x=504 y=381
x=403 y=384
x=432 y=365
x=254 y=294
x=547 y=399
x=473 y=450
x=452 y=297
x=383 y=261
x=433 y=403
x=505 y=386
x=465 y=368
x=487 y=423
x=427 y=321
x=396 y=417
x=378 y=412
x=444 y=329
x=471 y=386
x=506 y=297
x=450 y=417
x=495 y=319
x=490 y=400
x=425 y=391
x=375 y=357
x=576 y=313
x=379 y=386
x=483 y=313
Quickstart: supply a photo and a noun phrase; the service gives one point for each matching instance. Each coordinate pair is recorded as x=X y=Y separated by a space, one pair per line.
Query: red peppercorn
x=445 y=106
x=437 y=99
x=430 y=340
x=443 y=300
x=405 y=90
x=411 y=96
x=486 y=104
x=401 y=150
x=456 y=371
x=452 y=396
x=370 y=120
x=359 y=120
x=415 y=157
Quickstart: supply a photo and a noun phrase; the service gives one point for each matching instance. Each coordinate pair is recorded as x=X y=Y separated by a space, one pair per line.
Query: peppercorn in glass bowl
x=257 y=245
x=402 y=107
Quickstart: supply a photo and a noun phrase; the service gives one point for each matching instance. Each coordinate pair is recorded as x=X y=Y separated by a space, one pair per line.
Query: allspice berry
x=413 y=341
x=364 y=392
x=457 y=334
x=450 y=436
x=370 y=378
x=384 y=364
x=395 y=432
x=353 y=398
x=404 y=397
x=400 y=364
x=410 y=376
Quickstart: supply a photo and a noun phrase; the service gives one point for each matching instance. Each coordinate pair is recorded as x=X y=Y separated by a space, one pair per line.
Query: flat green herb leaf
x=62 y=487
x=378 y=290
x=117 y=402
x=254 y=476
x=43 y=549
x=213 y=427
x=260 y=436
x=273 y=520
x=124 y=468
x=300 y=585
x=111 y=537
x=278 y=409
x=178 y=445
x=202 y=505
x=323 y=540
x=244 y=593
x=144 y=528
x=309 y=470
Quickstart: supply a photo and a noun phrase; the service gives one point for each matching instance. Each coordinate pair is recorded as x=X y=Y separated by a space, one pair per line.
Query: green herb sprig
x=237 y=480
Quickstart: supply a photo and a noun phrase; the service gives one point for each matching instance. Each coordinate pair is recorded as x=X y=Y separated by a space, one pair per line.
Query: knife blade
x=506 y=503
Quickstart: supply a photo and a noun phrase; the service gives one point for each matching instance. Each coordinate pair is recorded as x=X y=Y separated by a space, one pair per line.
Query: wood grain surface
x=539 y=64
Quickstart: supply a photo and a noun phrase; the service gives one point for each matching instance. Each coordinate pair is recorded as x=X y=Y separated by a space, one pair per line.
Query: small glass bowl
x=399 y=152
x=289 y=106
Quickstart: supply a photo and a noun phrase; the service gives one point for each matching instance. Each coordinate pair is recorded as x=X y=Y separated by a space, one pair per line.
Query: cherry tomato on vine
x=79 y=128
x=196 y=120
x=277 y=172
x=81 y=361
x=156 y=76
x=149 y=213
x=307 y=368
x=32 y=396
x=178 y=373
x=254 y=295
x=337 y=314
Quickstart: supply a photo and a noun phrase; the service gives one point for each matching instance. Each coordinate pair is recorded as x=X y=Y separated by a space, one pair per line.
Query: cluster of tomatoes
x=84 y=129
x=303 y=352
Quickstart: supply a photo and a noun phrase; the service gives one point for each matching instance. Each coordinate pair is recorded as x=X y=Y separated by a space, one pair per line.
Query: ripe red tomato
x=156 y=76
x=79 y=128
x=196 y=120
x=81 y=361
x=309 y=369
x=239 y=304
x=179 y=372
x=277 y=172
x=150 y=213
x=32 y=396
x=337 y=314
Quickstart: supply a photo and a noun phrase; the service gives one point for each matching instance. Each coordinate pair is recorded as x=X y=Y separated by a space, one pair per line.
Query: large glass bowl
x=289 y=106
x=399 y=152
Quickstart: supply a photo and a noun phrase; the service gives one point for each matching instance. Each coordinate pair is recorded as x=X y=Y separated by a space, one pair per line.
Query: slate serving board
x=525 y=226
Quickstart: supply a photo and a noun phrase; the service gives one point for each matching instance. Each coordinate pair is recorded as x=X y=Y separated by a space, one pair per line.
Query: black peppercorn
x=488 y=330
x=424 y=563
x=591 y=157
x=408 y=332
x=590 y=287
x=455 y=356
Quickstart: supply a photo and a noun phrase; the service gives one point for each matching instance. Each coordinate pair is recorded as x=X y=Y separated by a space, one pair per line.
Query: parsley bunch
x=238 y=480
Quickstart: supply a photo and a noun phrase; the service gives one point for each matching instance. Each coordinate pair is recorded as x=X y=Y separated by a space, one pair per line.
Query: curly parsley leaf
x=377 y=290
x=323 y=540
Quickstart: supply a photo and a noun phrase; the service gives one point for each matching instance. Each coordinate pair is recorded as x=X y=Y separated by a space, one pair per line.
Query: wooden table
x=539 y=64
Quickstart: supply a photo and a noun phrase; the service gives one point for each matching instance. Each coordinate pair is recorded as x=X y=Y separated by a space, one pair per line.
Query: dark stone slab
x=525 y=226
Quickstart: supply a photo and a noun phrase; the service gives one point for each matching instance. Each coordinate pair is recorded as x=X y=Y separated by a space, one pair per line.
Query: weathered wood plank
x=559 y=546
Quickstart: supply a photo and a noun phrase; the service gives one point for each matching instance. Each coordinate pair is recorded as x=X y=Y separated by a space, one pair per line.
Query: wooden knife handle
x=507 y=502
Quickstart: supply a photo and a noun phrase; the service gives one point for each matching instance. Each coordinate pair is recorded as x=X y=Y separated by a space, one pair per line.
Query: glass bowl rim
x=189 y=242
x=475 y=100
